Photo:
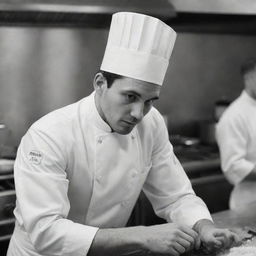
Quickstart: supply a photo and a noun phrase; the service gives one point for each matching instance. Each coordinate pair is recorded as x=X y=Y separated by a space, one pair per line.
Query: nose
x=137 y=111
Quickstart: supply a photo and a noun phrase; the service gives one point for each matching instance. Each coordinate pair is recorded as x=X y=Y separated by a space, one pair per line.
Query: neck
x=251 y=93
x=98 y=106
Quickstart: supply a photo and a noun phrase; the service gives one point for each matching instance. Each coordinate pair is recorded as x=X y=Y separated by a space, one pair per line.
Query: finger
x=189 y=231
x=210 y=247
x=189 y=237
x=173 y=252
x=228 y=238
x=179 y=248
x=236 y=238
x=214 y=242
x=224 y=241
x=186 y=244
x=198 y=243
x=222 y=232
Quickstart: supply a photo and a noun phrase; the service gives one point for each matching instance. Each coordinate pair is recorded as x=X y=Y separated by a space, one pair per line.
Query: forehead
x=142 y=88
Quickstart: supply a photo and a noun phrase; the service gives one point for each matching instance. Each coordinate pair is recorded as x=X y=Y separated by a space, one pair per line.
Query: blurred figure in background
x=236 y=137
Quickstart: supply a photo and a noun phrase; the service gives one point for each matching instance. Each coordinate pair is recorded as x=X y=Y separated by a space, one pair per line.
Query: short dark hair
x=248 y=66
x=110 y=77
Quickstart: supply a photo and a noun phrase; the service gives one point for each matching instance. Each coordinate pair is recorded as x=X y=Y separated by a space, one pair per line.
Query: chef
x=80 y=169
x=236 y=136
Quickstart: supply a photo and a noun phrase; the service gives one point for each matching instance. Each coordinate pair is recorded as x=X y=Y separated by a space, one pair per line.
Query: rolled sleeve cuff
x=84 y=236
x=196 y=216
x=191 y=211
x=238 y=174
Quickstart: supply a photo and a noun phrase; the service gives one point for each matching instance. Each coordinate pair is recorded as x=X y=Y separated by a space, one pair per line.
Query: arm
x=167 y=185
x=173 y=198
x=164 y=239
x=232 y=137
x=42 y=201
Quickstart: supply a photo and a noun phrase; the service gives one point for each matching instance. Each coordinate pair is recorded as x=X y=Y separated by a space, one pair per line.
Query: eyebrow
x=139 y=95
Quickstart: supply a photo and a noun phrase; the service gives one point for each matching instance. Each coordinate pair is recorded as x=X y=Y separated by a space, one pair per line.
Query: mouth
x=129 y=123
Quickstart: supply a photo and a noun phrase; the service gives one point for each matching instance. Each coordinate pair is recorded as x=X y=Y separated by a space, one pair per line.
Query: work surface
x=240 y=221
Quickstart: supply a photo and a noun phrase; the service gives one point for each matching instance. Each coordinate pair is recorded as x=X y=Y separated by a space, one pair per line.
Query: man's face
x=250 y=83
x=125 y=103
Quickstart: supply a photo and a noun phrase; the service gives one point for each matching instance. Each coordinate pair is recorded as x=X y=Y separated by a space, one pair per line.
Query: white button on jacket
x=60 y=204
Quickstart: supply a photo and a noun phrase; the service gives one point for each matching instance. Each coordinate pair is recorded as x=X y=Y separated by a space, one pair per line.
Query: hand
x=166 y=239
x=227 y=238
x=170 y=239
x=214 y=239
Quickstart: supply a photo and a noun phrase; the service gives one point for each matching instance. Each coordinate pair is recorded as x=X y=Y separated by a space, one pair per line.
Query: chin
x=123 y=131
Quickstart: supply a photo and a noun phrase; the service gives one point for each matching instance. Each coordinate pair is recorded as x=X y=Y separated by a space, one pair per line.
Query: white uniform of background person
x=74 y=174
x=236 y=136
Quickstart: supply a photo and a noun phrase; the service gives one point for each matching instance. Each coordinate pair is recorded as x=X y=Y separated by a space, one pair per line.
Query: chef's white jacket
x=236 y=137
x=73 y=176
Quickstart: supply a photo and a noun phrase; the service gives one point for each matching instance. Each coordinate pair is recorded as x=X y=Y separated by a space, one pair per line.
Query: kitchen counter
x=7 y=203
x=239 y=221
x=242 y=222
x=236 y=219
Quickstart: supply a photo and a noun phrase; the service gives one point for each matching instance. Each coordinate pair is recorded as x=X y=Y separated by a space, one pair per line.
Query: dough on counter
x=242 y=251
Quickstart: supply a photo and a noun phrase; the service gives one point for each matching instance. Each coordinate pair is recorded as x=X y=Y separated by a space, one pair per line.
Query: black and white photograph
x=127 y=128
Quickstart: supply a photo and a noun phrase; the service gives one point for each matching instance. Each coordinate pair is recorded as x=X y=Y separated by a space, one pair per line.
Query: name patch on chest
x=35 y=157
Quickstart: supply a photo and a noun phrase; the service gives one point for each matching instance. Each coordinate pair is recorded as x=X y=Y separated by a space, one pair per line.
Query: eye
x=130 y=98
x=149 y=103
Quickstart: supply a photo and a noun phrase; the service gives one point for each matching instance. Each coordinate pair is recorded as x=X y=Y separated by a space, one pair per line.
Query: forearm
x=165 y=239
x=118 y=241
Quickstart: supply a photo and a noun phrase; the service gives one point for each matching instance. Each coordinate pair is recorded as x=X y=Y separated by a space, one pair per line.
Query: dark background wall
x=42 y=69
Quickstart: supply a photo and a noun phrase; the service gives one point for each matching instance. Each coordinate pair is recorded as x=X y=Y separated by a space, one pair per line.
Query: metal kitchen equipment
x=7 y=200
x=207 y=132
x=4 y=134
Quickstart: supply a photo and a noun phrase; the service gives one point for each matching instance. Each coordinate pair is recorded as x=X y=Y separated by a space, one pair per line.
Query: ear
x=99 y=82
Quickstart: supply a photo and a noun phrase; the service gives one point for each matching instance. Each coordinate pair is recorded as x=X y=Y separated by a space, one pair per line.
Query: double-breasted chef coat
x=73 y=176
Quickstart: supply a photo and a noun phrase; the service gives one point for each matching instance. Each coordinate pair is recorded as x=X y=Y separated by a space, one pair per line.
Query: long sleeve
x=232 y=137
x=168 y=187
x=42 y=202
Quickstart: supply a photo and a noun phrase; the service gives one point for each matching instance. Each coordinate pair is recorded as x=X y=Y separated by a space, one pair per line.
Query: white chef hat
x=139 y=46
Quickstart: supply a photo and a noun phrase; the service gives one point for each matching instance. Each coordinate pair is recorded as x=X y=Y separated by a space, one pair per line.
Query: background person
x=236 y=137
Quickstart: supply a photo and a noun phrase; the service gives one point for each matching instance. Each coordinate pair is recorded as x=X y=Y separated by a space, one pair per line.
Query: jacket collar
x=95 y=116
